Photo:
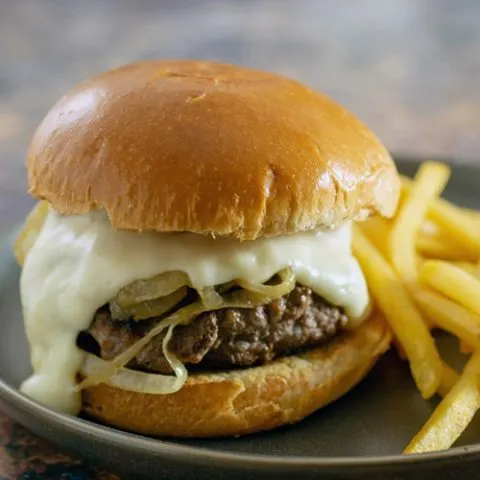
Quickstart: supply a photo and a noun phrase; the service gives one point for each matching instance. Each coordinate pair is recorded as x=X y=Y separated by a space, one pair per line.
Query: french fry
x=429 y=182
x=377 y=230
x=445 y=256
x=449 y=379
x=468 y=267
x=433 y=242
x=462 y=229
x=453 y=282
x=453 y=414
x=473 y=214
x=402 y=314
x=432 y=247
x=431 y=229
x=459 y=225
x=450 y=316
x=399 y=349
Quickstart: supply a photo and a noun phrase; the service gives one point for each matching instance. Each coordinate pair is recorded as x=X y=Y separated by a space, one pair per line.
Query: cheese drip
x=78 y=263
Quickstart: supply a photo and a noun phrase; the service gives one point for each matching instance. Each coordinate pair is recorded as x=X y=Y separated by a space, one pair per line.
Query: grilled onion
x=287 y=284
x=151 y=288
x=182 y=316
x=149 y=308
x=210 y=297
x=134 y=381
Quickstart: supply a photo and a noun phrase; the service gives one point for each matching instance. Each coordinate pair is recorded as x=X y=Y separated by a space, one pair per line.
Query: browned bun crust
x=208 y=148
x=250 y=400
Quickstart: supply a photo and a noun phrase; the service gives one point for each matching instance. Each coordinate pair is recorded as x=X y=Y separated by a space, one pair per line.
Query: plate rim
x=76 y=425
x=18 y=402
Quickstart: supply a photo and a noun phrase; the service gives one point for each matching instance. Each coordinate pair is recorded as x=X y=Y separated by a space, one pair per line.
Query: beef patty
x=230 y=337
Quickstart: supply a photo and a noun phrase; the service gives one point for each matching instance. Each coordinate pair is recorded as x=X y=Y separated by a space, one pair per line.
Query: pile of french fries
x=423 y=272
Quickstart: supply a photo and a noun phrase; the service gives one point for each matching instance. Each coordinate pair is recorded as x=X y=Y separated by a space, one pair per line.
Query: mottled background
x=410 y=69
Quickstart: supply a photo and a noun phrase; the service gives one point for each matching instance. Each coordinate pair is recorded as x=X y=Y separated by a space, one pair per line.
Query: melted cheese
x=78 y=263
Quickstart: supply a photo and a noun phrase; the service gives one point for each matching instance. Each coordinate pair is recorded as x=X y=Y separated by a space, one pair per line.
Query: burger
x=187 y=269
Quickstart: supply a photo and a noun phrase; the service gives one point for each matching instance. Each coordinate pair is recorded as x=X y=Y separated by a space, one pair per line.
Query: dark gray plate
x=359 y=436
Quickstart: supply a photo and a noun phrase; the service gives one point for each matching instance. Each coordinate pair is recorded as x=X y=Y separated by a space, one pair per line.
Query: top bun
x=211 y=149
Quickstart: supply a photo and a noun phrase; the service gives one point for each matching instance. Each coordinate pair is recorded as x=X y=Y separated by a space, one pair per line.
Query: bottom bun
x=250 y=400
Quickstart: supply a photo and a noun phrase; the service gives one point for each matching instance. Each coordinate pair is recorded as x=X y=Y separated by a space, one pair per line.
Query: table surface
x=410 y=70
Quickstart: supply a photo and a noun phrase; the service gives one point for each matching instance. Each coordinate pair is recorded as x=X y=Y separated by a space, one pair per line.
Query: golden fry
x=399 y=349
x=449 y=379
x=432 y=247
x=450 y=316
x=453 y=220
x=453 y=414
x=405 y=320
x=429 y=182
x=453 y=282
x=431 y=229
x=469 y=267
x=377 y=230
x=462 y=229
x=450 y=235
x=433 y=242
x=473 y=214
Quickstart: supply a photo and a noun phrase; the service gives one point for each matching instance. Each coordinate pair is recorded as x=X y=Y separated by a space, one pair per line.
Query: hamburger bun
x=250 y=400
x=209 y=148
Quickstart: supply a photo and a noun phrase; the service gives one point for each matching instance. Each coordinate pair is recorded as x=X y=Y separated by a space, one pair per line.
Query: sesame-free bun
x=208 y=148
x=250 y=400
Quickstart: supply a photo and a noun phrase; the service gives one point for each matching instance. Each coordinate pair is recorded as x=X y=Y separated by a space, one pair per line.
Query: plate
x=359 y=436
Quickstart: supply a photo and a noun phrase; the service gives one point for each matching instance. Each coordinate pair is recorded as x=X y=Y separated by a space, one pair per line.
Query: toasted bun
x=208 y=148
x=250 y=400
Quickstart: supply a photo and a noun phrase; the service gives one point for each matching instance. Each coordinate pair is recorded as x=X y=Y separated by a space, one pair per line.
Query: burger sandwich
x=187 y=269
